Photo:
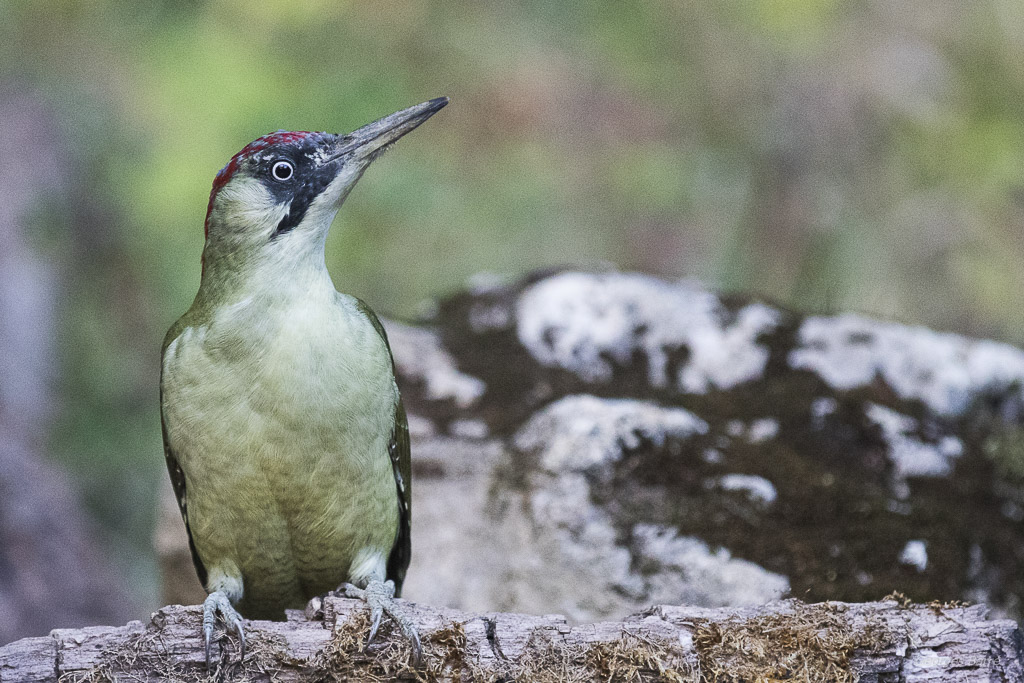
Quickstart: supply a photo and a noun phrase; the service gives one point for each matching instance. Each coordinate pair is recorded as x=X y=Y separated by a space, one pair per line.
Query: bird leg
x=380 y=597
x=215 y=602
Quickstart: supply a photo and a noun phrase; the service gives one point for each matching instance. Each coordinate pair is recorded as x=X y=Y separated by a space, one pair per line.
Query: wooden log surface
x=786 y=640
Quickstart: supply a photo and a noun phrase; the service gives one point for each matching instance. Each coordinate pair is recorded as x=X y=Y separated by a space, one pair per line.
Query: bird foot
x=380 y=597
x=217 y=602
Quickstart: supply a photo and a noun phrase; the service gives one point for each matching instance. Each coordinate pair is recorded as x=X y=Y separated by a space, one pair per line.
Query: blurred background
x=860 y=155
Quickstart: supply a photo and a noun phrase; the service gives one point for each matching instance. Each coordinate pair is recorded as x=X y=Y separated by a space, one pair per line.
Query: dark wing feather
x=401 y=464
x=178 y=483
x=398 y=449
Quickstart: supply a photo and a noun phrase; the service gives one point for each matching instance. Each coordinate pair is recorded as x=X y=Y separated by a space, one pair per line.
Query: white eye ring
x=282 y=170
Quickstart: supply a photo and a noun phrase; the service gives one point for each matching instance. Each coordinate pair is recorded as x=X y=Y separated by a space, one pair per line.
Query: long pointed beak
x=370 y=140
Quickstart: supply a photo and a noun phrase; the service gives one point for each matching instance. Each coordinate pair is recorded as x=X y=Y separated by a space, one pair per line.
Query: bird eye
x=282 y=170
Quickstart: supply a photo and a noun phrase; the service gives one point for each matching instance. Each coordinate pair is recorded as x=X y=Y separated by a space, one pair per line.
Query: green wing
x=401 y=464
x=174 y=469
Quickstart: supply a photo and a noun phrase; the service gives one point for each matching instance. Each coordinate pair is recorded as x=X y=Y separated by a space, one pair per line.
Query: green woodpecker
x=284 y=431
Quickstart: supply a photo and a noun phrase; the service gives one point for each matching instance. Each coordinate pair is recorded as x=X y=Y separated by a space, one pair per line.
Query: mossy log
x=788 y=640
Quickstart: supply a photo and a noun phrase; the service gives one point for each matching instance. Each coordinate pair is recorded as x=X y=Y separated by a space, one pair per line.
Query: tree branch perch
x=838 y=642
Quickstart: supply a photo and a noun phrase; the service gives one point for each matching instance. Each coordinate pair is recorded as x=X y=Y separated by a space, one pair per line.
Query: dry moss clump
x=631 y=659
x=806 y=644
x=812 y=644
x=634 y=659
x=388 y=658
x=147 y=651
x=899 y=598
x=143 y=650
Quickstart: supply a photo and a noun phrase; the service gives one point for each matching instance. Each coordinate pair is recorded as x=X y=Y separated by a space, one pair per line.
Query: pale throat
x=243 y=255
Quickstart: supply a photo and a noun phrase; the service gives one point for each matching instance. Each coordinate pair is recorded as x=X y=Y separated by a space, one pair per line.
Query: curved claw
x=218 y=602
x=417 y=648
x=237 y=627
x=208 y=635
x=376 y=612
x=380 y=597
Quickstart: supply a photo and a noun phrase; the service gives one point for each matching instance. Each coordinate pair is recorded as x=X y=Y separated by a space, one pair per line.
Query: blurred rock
x=594 y=443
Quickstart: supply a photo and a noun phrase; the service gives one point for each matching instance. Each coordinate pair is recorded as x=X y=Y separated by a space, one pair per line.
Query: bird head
x=280 y=194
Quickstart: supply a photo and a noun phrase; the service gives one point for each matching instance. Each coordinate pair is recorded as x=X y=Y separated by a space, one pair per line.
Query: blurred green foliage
x=859 y=155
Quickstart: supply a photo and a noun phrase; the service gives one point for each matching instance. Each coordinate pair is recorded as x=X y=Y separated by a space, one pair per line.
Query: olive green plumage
x=284 y=431
x=297 y=513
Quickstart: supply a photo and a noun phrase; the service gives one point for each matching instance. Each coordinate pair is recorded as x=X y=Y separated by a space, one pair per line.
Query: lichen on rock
x=421 y=357
x=575 y=443
x=689 y=340
x=945 y=371
x=578 y=433
x=686 y=569
x=910 y=454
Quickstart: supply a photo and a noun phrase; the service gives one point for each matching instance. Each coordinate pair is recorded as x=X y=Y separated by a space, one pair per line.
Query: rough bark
x=834 y=642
